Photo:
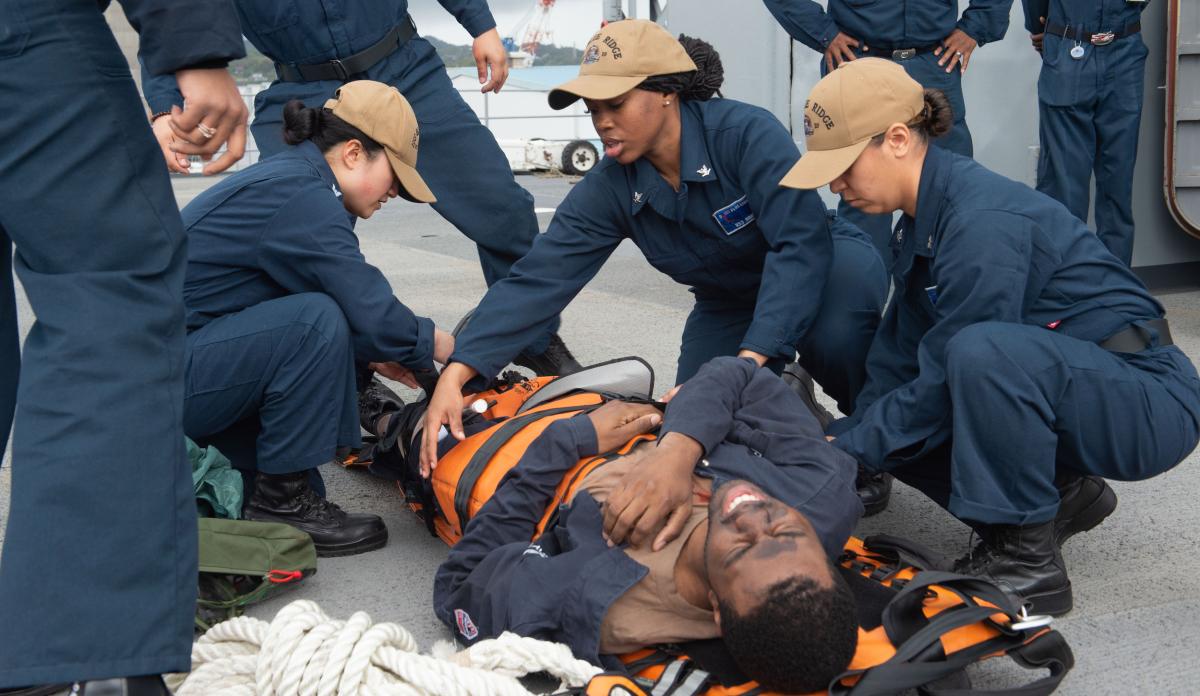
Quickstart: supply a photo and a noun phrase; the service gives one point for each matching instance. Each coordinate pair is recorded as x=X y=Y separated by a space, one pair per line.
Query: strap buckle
x=340 y=68
x=1028 y=621
x=904 y=54
x=1103 y=38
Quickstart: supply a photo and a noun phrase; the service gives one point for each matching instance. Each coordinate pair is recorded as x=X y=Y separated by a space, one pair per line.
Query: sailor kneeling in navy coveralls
x=755 y=502
x=318 y=45
x=693 y=182
x=1019 y=360
x=281 y=304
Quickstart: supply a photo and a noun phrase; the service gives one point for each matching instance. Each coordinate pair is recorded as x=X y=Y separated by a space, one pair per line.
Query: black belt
x=898 y=53
x=1098 y=38
x=1134 y=338
x=342 y=69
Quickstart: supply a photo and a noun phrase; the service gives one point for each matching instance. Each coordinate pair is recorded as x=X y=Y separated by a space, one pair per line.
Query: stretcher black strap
x=1096 y=38
x=1137 y=337
x=1049 y=651
x=483 y=455
x=920 y=659
x=342 y=69
x=903 y=618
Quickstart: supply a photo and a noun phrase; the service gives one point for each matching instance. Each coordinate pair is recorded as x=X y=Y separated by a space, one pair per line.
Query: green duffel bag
x=243 y=562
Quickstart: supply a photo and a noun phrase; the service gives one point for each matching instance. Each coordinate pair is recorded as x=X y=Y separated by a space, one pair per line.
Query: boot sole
x=368 y=543
x=1090 y=517
x=876 y=507
x=1054 y=603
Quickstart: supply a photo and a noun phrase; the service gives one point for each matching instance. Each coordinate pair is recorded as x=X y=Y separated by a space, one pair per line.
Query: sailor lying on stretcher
x=757 y=503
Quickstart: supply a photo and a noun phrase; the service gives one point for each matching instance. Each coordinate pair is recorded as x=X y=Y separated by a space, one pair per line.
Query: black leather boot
x=1084 y=502
x=802 y=383
x=375 y=401
x=556 y=361
x=874 y=490
x=287 y=498
x=1025 y=561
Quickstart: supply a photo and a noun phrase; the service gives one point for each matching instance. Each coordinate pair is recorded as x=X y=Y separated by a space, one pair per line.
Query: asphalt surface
x=1136 y=579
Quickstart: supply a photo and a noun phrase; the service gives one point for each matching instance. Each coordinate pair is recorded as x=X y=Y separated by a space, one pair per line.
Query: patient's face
x=755 y=541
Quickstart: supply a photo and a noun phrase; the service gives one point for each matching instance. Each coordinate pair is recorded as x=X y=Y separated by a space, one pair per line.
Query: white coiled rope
x=303 y=652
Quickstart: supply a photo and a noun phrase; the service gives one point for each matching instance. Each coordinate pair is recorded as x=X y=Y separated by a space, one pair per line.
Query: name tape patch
x=734 y=216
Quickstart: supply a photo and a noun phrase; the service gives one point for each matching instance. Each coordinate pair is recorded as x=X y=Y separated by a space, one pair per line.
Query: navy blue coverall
x=885 y=26
x=98 y=574
x=752 y=428
x=767 y=272
x=460 y=159
x=1089 y=112
x=986 y=378
x=280 y=305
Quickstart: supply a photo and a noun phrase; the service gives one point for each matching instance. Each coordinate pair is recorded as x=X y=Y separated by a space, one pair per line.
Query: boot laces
x=313 y=505
x=978 y=558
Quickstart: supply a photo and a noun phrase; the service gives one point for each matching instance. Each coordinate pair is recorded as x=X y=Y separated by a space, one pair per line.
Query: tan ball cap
x=618 y=58
x=384 y=115
x=847 y=108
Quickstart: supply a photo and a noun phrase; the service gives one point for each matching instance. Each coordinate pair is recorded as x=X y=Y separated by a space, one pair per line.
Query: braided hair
x=697 y=85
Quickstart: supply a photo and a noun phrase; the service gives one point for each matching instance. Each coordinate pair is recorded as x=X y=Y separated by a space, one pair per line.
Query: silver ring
x=959 y=54
x=205 y=131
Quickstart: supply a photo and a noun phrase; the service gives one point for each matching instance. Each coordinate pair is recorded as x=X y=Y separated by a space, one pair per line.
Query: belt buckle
x=340 y=69
x=1103 y=38
x=904 y=54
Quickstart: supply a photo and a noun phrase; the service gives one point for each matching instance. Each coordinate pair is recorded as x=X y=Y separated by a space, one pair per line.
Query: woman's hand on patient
x=654 y=500
x=445 y=408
